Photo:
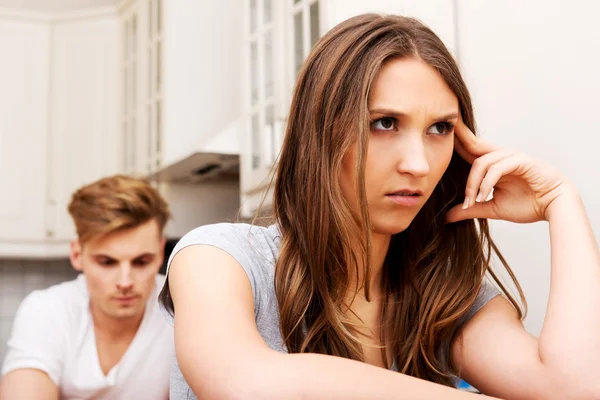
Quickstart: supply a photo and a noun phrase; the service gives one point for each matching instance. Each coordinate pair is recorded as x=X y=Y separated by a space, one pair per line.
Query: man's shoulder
x=159 y=281
x=74 y=290
x=61 y=298
x=153 y=301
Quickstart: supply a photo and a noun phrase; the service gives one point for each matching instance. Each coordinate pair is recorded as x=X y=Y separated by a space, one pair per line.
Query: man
x=102 y=335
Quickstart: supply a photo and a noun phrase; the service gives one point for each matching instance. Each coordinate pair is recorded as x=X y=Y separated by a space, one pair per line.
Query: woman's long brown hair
x=433 y=270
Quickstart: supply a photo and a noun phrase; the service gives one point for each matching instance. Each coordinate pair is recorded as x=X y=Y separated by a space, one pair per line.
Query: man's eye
x=141 y=263
x=107 y=263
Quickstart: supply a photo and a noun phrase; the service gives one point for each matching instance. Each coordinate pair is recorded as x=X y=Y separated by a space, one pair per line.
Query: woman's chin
x=391 y=227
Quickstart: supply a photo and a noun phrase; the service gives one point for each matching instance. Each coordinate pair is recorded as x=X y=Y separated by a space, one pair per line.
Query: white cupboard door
x=132 y=135
x=201 y=74
x=23 y=129
x=278 y=35
x=260 y=95
x=84 y=112
x=150 y=62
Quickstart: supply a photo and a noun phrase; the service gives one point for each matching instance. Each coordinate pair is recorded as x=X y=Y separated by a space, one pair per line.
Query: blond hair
x=116 y=203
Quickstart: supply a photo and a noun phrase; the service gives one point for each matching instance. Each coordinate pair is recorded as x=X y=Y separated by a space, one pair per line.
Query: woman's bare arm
x=497 y=355
x=222 y=355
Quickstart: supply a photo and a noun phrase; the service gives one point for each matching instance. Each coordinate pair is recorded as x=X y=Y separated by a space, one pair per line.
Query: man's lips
x=125 y=298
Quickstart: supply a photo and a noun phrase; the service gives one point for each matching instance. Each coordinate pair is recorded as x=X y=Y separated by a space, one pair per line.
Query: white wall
x=202 y=72
x=532 y=68
x=437 y=14
x=193 y=205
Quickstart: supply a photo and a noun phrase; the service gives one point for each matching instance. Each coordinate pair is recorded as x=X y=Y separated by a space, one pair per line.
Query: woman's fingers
x=496 y=171
x=460 y=149
x=478 y=175
x=487 y=210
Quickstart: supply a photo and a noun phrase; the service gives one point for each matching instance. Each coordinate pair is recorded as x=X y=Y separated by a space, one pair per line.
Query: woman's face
x=412 y=115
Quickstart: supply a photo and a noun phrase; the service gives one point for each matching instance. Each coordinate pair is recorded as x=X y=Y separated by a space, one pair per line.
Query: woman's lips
x=405 y=199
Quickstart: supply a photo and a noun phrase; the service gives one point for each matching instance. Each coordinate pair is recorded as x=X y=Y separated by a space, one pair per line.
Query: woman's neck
x=380 y=245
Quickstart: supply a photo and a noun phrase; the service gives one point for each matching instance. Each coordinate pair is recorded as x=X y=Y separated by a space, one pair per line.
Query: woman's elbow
x=589 y=390
x=237 y=388
x=581 y=393
x=239 y=380
x=579 y=387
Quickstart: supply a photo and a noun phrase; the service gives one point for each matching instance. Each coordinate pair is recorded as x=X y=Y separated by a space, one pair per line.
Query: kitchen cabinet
x=57 y=123
x=180 y=79
x=83 y=129
x=278 y=35
x=24 y=79
x=139 y=42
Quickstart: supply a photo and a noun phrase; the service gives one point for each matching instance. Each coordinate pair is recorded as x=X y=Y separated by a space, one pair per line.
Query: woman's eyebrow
x=387 y=111
x=395 y=113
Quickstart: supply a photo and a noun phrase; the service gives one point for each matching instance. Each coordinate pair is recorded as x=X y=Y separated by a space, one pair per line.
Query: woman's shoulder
x=240 y=235
x=255 y=248
x=487 y=292
x=232 y=228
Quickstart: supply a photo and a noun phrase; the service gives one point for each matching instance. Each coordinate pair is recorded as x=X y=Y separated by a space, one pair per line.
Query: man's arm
x=33 y=363
x=28 y=384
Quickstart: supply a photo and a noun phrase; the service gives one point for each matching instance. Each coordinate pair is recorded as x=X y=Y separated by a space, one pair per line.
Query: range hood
x=218 y=158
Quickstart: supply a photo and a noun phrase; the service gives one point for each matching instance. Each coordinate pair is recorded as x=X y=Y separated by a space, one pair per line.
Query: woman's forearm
x=570 y=338
x=315 y=376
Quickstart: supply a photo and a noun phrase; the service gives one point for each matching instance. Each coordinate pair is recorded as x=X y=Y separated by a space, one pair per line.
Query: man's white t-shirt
x=53 y=332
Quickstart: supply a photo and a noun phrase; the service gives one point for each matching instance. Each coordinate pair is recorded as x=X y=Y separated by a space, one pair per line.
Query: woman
x=374 y=258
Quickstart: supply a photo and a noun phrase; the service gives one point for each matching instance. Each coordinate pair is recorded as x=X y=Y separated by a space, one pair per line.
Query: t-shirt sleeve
x=37 y=337
x=486 y=293
x=245 y=243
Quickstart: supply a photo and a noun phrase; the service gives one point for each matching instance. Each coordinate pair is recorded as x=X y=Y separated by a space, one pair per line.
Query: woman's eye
x=384 y=124
x=441 y=128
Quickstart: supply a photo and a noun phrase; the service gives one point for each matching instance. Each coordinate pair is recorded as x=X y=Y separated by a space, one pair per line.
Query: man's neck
x=113 y=337
x=113 y=328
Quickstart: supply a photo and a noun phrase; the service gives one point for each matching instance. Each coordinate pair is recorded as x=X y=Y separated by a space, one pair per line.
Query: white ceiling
x=55 y=5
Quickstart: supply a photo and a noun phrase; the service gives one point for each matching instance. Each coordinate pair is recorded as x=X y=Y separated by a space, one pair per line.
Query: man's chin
x=125 y=314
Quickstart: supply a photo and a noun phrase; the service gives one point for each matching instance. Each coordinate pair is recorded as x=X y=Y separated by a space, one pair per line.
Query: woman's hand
x=523 y=188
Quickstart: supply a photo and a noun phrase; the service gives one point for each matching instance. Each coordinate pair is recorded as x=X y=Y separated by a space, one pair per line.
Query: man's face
x=120 y=269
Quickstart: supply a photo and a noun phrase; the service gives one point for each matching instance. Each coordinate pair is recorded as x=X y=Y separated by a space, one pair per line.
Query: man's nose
x=125 y=280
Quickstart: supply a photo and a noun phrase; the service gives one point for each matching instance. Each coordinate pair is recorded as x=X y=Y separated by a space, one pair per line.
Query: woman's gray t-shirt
x=256 y=249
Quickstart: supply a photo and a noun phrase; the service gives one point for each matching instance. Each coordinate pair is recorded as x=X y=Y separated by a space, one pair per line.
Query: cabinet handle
x=50 y=218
